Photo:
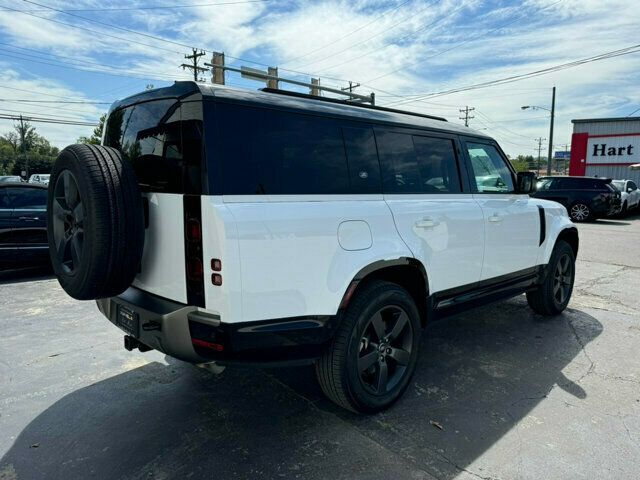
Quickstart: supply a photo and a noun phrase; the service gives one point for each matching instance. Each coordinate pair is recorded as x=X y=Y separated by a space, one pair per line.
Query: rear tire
x=580 y=212
x=373 y=355
x=95 y=222
x=553 y=294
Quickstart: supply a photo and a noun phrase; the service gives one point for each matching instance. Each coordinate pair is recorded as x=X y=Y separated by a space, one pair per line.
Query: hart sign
x=614 y=149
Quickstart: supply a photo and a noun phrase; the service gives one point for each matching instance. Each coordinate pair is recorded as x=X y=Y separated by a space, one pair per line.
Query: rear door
x=162 y=139
x=440 y=222
x=29 y=219
x=511 y=220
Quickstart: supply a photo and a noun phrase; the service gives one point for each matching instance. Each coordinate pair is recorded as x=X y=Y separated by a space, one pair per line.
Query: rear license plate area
x=128 y=320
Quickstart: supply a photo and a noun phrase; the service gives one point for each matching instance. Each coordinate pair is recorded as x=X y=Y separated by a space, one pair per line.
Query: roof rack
x=347 y=102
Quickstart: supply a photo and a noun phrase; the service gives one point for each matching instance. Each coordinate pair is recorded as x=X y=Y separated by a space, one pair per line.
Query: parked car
x=10 y=179
x=220 y=225
x=23 y=224
x=585 y=198
x=629 y=194
x=42 y=178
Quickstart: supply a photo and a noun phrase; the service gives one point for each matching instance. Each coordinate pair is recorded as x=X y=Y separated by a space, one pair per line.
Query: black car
x=585 y=198
x=23 y=224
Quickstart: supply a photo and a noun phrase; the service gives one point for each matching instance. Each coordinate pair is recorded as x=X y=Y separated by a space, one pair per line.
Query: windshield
x=619 y=184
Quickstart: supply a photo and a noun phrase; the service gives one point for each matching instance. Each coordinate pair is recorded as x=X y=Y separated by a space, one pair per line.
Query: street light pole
x=553 y=111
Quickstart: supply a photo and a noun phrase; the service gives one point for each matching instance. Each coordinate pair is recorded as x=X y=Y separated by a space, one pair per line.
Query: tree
x=14 y=153
x=96 y=136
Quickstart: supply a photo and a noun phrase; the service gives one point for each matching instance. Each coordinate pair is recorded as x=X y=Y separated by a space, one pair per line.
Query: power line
x=152 y=7
x=347 y=35
x=358 y=57
x=514 y=78
x=46 y=120
x=636 y=110
x=482 y=35
x=22 y=100
x=94 y=32
x=71 y=66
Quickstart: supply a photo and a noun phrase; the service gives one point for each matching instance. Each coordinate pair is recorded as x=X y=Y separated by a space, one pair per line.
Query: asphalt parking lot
x=516 y=395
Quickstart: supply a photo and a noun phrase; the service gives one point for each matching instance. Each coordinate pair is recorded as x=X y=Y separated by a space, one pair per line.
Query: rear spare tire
x=95 y=222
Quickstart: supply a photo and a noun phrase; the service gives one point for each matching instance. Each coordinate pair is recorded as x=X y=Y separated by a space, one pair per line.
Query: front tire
x=624 y=210
x=373 y=355
x=553 y=294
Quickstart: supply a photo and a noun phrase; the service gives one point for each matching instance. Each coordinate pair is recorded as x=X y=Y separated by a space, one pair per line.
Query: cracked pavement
x=518 y=396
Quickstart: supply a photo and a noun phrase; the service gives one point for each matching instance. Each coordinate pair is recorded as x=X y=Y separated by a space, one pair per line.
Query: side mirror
x=629 y=190
x=526 y=182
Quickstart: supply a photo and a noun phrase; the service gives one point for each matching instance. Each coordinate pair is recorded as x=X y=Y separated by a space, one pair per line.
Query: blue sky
x=401 y=50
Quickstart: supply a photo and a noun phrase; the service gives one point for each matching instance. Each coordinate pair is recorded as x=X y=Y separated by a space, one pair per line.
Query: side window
x=28 y=198
x=489 y=169
x=279 y=153
x=545 y=184
x=632 y=185
x=362 y=158
x=4 y=199
x=399 y=163
x=437 y=165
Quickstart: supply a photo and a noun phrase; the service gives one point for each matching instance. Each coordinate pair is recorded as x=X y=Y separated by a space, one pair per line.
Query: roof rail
x=347 y=102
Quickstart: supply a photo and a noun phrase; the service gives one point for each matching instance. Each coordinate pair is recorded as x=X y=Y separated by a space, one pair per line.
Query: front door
x=511 y=219
x=7 y=247
x=441 y=224
x=29 y=220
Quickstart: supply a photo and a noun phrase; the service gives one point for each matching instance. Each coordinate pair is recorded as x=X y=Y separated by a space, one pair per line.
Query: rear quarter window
x=163 y=144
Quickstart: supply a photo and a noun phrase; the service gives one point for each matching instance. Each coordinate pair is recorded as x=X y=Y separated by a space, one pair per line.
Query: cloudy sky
x=410 y=53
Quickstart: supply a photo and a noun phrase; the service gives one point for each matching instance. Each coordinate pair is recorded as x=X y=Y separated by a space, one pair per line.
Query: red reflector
x=216 y=279
x=195 y=271
x=216 y=264
x=203 y=343
x=194 y=232
x=349 y=294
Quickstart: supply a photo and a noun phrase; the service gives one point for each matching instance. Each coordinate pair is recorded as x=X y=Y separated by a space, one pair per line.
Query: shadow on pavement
x=480 y=373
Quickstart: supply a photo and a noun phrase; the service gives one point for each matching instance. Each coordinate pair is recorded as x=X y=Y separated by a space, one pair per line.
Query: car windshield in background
x=618 y=184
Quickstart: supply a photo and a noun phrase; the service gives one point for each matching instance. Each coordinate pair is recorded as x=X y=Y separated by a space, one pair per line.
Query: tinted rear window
x=164 y=148
x=279 y=153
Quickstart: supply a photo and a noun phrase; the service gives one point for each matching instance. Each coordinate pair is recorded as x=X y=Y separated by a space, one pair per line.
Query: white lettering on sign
x=614 y=149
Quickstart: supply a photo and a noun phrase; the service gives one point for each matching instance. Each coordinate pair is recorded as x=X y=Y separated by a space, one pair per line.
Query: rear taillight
x=194 y=230
x=194 y=270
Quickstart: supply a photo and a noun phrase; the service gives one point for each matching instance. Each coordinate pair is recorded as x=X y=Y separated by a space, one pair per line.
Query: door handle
x=495 y=218
x=427 y=222
x=29 y=219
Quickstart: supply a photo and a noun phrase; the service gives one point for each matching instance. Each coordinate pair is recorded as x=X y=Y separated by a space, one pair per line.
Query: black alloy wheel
x=563 y=279
x=68 y=221
x=385 y=349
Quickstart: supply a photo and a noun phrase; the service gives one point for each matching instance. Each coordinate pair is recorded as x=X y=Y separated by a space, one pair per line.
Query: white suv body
x=301 y=202
x=630 y=194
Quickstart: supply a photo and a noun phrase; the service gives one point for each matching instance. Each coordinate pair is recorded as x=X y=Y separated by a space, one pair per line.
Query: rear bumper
x=184 y=332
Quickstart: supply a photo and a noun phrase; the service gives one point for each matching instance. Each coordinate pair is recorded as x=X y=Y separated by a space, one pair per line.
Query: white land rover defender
x=270 y=227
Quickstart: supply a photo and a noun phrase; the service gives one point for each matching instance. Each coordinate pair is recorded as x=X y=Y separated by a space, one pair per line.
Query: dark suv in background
x=585 y=198
x=23 y=225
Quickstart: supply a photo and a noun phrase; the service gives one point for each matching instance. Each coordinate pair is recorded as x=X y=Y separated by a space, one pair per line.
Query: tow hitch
x=131 y=343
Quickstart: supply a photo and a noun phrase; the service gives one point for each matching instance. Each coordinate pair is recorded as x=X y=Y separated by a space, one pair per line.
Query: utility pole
x=23 y=147
x=553 y=112
x=466 y=117
x=194 y=64
x=539 y=140
x=351 y=87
